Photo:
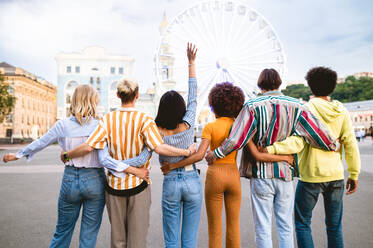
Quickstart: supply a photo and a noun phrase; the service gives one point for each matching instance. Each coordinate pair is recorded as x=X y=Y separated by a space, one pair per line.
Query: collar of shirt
x=273 y=93
x=127 y=109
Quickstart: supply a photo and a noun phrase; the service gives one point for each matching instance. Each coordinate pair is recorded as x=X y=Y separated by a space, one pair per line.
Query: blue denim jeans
x=305 y=200
x=181 y=196
x=80 y=187
x=276 y=194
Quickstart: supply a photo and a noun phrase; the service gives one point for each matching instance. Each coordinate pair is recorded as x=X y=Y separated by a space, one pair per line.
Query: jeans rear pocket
x=193 y=185
x=169 y=188
x=94 y=186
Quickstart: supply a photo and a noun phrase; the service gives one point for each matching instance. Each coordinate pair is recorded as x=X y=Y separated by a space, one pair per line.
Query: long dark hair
x=171 y=110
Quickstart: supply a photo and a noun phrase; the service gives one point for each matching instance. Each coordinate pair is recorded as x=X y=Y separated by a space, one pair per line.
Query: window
x=9 y=119
x=165 y=73
x=120 y=70
x=10 y=90
x=9 y=133
x=77 y=69
x=70 y=87
x=112 y=70
x=68 y=69
x=98 y=84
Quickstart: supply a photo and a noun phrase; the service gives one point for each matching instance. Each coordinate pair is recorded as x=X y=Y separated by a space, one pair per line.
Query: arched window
x=114 y=101
x=69 y=91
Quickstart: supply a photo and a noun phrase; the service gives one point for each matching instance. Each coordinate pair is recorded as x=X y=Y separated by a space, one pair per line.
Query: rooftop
x=10 y=70
x=359 y=106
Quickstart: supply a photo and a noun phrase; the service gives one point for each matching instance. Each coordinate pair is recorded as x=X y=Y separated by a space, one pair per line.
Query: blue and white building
x=92 y=66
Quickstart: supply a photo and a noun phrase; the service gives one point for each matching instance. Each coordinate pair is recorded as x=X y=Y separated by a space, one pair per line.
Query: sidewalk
x=12 y=146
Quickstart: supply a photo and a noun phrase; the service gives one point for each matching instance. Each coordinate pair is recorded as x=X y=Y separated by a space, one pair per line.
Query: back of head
x=321 y=80
x=171 y=110
x=226 y=100
x=269 y=79
x=84 y=103
x=127 y=89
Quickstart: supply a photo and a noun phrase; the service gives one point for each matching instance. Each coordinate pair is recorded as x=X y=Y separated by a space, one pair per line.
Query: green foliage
x=350 y=91
x=7 y=100
x=298 y=91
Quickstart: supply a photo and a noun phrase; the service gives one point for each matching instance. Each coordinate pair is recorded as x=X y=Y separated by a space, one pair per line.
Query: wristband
x=66 y=157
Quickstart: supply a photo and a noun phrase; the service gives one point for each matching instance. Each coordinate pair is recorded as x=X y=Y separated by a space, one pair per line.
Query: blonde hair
x=84 y=103
x=127 y=89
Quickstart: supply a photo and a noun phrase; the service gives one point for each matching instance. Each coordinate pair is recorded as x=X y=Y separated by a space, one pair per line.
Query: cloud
x=333 y=33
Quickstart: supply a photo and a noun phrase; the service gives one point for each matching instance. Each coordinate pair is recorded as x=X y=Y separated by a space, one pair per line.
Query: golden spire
x=163 y=25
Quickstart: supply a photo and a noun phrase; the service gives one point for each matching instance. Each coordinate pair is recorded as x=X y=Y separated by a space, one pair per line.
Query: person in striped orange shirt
x=126 y=132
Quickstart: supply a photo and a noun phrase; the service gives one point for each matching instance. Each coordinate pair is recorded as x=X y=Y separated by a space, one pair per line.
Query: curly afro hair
x=226 y=100
x=321 y=80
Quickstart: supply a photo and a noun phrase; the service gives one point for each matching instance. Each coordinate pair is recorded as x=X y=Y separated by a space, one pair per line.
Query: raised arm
x=190 y=114
x=29 y=151
x=266 y=157
x=196 y=157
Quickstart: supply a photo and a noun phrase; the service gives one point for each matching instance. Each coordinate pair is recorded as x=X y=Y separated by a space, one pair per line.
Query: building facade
x=92 y=66
x=35 y=107
x=361 y=115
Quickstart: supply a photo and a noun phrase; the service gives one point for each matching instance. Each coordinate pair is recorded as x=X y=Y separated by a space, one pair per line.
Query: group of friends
x=280 y=138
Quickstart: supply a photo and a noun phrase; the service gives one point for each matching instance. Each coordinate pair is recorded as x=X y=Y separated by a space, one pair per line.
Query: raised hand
x=191 y=53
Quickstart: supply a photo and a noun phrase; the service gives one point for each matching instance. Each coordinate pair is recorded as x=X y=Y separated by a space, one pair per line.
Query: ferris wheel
x=235 y=43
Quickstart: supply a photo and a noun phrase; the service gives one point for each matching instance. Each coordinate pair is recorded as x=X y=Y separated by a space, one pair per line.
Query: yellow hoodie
x=316 y=165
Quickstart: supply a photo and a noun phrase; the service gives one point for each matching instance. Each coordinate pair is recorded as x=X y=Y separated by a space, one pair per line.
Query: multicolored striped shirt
x=126 y=132
x=268 y=119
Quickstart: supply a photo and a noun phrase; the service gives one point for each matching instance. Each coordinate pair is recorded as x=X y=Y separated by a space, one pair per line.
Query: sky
x=333 y=33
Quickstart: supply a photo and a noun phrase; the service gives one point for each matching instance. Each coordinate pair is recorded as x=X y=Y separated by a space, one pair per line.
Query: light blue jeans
x=276 y=194
x=80 y=187
x=181 y=195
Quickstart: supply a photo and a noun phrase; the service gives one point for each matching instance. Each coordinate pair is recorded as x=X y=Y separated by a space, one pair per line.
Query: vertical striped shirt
x=268 y=119
x=126 y=132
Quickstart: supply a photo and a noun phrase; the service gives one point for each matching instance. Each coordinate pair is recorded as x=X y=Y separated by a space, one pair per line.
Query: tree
x=351 y=90
x=298 y=91
x=7 y=100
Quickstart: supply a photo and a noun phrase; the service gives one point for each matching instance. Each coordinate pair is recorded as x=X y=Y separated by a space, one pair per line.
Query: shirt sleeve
x=243 y=128
x=140 y=160
x=49 y=138
x=190 y=115
x=109 y=162
x=98 y=138
x=314 y=132
x=351 y=149
x=150 y=133
x=206 y=132
x=291 y=145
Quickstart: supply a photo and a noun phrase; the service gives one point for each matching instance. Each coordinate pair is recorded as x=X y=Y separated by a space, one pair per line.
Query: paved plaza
x=29 y=192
